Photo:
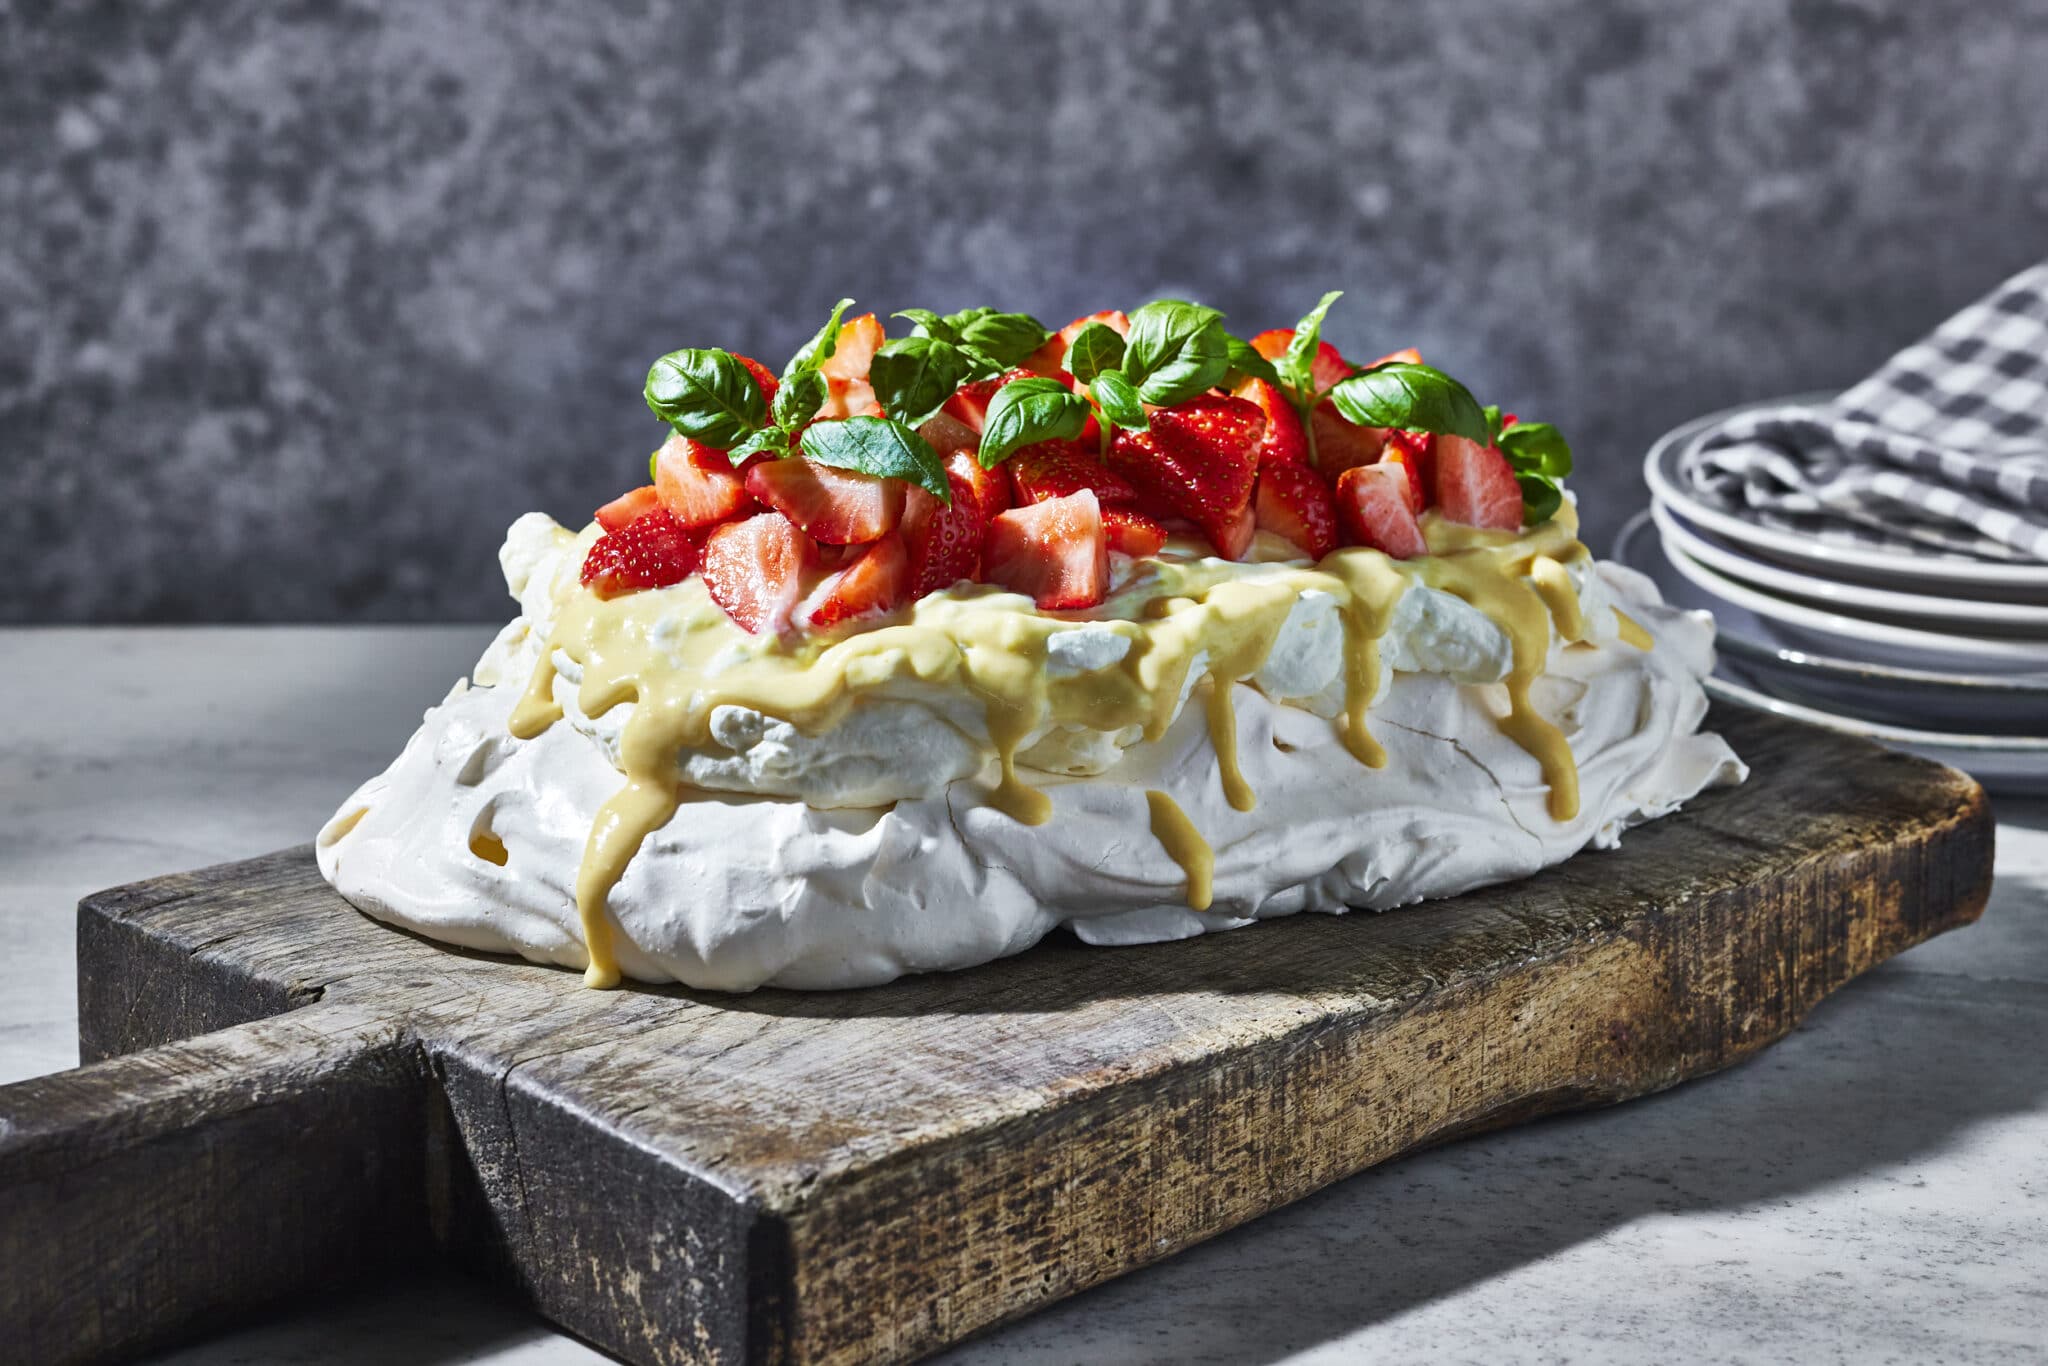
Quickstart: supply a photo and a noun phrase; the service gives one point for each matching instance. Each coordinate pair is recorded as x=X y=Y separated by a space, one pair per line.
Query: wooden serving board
x=284 y=1094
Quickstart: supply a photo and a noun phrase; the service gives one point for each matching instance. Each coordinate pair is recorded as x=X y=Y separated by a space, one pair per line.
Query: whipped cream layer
x=880 y=841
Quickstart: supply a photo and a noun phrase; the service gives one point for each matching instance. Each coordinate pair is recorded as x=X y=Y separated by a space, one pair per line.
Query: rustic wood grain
x=869 y=1175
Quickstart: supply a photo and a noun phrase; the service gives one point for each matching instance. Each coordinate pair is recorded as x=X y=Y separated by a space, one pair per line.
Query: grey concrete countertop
x=1874 y=1189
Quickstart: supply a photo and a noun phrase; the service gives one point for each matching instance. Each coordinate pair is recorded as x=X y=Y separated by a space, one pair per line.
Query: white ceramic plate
x=1924 y=699
x=2015 y=765
x=2026 y=620
x=1825 y=632
x=1864 y=564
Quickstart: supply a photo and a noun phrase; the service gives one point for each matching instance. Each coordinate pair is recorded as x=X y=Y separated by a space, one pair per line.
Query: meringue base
x=474 y=838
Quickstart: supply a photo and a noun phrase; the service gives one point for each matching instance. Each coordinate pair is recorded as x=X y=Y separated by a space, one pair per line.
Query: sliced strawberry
x=628 y=508
x=1476 y=485
x=1340 y=443
x=853 y=351
x=1130 y=532
x=652 y=551
x=1233 y=536
x=754 y=570
x=763 y=376
x=991 y=487
x=969 y=405
x=1325 y=370
x=847 y=391
x=1054 y=469
x=697 y=484
x=838 y=507
x=1407 y=354
x=1372 y=507
x=1198 y=461
x=1294 y=502
x=946 y=433
x=1285 y=441
x=945 y=541
x=1415 y=454
x=1054 y=552
x=878 y=581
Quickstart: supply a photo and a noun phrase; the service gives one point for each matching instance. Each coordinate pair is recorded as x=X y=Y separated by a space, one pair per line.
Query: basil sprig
x=914 y=376
x=1408 y=394
x=995 y=340
x=878 y=445
x=709 y=396
x=1297 y=364
x=1540 y=458
x=1025 y=412
x=1175 y=351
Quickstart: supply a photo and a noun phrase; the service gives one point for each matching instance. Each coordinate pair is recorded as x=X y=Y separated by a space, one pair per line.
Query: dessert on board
x=923 y=646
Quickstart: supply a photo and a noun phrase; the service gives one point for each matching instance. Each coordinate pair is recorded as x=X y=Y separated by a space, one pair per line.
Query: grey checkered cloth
x=1944 y=450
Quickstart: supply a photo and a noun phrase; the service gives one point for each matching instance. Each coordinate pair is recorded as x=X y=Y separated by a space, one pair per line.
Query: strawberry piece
x=628 y=508
x=991 y=487
x=1130 y=532
x=1286 y=440
x=1407 y=353
x=763 y=376
x=1326 y=369
x=1233 y=536
x=1415 y=454
x=652 y=551
x=878 y=581
x=1372 y=507
x=1340 y=443
x=1476 y=485
x=838 y=507
x=945 y=541
x=1054 y=469
x=1294 y=502
x=847 y=391
x=697 y=484
x=1054 y=552
x=1198 y=461
x=946 y=433
x=969 y=404
x=854 y=349
x=754 y=570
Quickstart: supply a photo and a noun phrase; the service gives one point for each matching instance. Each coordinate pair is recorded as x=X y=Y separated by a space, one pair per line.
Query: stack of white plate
x=1940 y=655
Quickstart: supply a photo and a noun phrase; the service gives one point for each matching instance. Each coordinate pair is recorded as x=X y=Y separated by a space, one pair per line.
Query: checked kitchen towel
x=1943 y=450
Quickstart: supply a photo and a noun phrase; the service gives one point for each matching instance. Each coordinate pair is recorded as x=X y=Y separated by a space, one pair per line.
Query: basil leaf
x=1025 y=412
x=708 y=396
x=1536 y=448
x=1540 y=498
x=1006 y=337
x=1095 y=348
x=820 y=348
x=1246 y=363
x=1407 y=394
x=928 y=324
x=798 y=398
x=914 y=376
x=1118 y=399
x=1175 y=350
x=771 y=441
x=1297 y=365
x=981 y=365
x=877 y=445
x=654 y=467
x=1492 y=411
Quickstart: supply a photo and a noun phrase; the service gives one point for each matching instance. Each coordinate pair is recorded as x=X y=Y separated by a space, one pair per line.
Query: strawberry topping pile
x=983 y=447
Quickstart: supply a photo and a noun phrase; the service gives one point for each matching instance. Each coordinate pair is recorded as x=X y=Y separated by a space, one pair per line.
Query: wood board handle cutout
x=868 y=1176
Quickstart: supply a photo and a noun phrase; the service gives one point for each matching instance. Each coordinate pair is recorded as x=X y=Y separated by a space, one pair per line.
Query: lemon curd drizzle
x=676 y=657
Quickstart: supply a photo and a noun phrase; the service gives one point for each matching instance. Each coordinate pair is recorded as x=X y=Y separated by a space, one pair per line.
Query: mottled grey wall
x=303 y=302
